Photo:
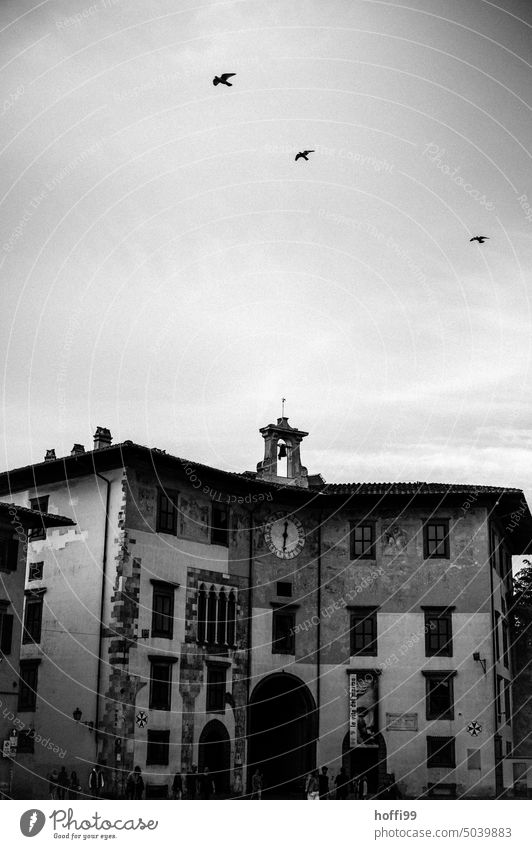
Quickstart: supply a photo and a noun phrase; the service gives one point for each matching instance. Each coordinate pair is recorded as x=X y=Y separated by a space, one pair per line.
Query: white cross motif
x=474 y=728
x=141 y=719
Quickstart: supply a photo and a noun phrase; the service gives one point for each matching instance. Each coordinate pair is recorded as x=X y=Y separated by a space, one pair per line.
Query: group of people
x=63 y=786
x=317 y=786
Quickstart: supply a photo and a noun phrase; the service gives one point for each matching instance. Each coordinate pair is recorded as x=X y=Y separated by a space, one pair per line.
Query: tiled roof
x=34 y=517
x=414 y=488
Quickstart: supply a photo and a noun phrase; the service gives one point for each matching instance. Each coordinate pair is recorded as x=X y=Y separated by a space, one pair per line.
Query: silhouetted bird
x=479 y=239
x=223 y=79
x=303 y=154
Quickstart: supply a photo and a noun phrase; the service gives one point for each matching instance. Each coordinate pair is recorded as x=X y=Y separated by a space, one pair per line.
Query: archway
x=215 y=754
x=368 y=760
x=282 y=735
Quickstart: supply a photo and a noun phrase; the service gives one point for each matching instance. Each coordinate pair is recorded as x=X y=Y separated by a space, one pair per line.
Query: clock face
x=285 y=536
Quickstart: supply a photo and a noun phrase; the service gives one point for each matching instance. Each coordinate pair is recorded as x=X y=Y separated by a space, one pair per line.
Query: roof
x=414 y=488
x=32 y=518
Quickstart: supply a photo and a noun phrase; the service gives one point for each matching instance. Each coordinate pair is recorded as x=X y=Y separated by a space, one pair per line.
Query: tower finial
x=282 y=406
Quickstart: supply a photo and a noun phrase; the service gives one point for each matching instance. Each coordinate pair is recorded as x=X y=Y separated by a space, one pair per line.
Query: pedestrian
x=193 y=784
x=256 y=784
x=75 y=788
x=62 y=784
x=342 y=783
x=324 y=783
x=52 y=784
x=96 y=781
x=362 y=787
x=135 y=784
x=177 y=786
x=237 y=784
x=313 y=786
x=207 y=785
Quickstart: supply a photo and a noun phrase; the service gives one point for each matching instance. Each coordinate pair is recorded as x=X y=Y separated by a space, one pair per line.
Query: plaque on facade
x=362 y=708
x=401 y=721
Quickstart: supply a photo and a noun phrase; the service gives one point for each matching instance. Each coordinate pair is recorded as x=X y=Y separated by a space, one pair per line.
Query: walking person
x=177 y=786
x=62 y=783
x=52 y=784
x=208 y=788
x=74 y=788
x=135 y=784
x=96 y=781
x=256 y=784
x=362 y=787
x=342 y=784
x=324 y=783
x=313 y=786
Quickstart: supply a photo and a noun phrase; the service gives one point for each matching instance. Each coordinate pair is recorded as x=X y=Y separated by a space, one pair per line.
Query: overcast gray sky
x=169 y=271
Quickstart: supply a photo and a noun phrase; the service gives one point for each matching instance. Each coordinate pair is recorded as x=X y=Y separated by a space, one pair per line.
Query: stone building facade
x=268 y=620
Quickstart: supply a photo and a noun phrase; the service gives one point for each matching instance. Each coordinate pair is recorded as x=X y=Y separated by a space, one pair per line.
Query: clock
x=284 y=536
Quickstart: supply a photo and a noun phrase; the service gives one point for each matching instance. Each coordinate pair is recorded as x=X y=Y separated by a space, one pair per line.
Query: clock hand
x=285 y=535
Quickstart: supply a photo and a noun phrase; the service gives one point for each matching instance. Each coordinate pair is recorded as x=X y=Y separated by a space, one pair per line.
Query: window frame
x=6 y=631
x=219 y=532
x=153 y=747
x=289 y=637
x=434 y=677
x=286 y=591
x=27 y=693
x=427 y=554
x=215 y=690
x=365 y=616
x=449 y=746
x=165 y=663
x=368 y=553
x=39 y=503
x=169 y=497
x=33 y=602
x=163 y=590
x=441 y=614
x=9 y=554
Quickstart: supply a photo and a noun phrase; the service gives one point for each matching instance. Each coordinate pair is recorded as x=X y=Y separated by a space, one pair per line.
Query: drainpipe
x=318 y=634
x=102 y=601
x=491 y=557
x=250 y=633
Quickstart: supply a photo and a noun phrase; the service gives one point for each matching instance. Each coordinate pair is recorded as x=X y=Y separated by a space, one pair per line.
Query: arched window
x=231 y=619
x=222 y=619
x=202 y=614
x=211 y=616
x=282 y=459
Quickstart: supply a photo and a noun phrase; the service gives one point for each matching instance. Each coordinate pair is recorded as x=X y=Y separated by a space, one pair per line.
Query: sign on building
x=363 y=698
x=401 y=721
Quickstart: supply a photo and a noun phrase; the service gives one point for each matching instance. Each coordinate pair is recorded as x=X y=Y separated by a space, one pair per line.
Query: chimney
x=50 y=454
x=102 y=438
x=77 y=449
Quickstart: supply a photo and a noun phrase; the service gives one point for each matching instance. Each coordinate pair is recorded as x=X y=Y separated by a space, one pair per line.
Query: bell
x=282 y=452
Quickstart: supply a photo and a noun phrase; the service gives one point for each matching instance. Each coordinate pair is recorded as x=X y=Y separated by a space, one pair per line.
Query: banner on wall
x=363 y=698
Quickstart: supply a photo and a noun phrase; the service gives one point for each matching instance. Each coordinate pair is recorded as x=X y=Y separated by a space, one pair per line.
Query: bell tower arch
x=282 y=441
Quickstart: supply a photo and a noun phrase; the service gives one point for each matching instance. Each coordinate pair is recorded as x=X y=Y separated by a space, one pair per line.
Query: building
x=268 y=620
x=16 y=524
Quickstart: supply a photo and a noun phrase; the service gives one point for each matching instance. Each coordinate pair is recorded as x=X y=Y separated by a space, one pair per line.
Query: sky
x=170 y=272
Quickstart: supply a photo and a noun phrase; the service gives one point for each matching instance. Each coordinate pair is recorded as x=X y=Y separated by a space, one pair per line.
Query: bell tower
x=281 y=441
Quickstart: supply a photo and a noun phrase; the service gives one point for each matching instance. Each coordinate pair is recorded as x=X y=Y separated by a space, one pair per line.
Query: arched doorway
x=368 y=760
x=282 y=734
x=215 y=754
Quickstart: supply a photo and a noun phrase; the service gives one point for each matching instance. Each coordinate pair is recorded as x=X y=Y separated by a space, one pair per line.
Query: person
x=362 y=787
x=177 y=786
x=324 y=783
x=237 y=785
x=207 y=785
x=342 y=783
x=313 y=786
x=256 y=784
x=135 y=784
x=96 y=780
x=193 y=783
x=62 y=783
x=75 y=787
x=52 y=784
x=389 y=789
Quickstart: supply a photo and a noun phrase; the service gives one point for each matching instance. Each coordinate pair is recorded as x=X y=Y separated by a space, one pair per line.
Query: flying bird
x=223 y=79
x=479 y=239
x=303 y=154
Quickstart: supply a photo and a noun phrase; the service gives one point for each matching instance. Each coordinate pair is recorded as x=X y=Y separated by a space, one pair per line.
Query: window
x=32 y=620
x=438 y=632
x=219 y=525
x=6 y=631
x=363 y=631
x=507 y=703
x=283 y=637
x=167 y=512
x=496 y=635
x=36 y=571
x=41 y=505
x=284 y=588
x=499 y=699
x=162 y=623
x=436 y=539
x=505 y=644
x=473 y=759
x=216 y=610
x=439 y=695
x=27 y=694
x=440 y=752
x=161 y=684
x=158 y=748
x=26 y=742
x=8 y=555
x=363 y=541
x=216 y=686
